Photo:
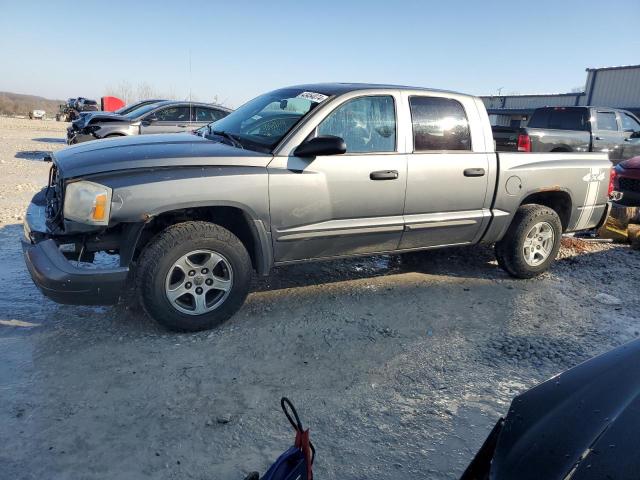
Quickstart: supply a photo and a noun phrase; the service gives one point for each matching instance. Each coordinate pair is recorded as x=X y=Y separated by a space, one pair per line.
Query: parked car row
x=303 y=173
x=146 y=117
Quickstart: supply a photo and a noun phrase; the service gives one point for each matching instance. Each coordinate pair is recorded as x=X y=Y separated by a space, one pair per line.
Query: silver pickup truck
x=302 y=173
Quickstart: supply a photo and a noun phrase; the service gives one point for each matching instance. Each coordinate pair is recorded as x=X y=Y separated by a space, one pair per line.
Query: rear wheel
x=531 y=243
x=193 y=276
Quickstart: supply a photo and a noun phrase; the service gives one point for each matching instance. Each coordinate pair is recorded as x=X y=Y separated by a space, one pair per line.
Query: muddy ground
x=399 y=365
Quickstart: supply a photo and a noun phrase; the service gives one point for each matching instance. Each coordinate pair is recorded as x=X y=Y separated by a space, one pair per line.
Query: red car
x=625 y=179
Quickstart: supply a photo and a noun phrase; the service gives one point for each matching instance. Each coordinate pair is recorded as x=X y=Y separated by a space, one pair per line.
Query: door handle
x=384 y=175
x=474 y=172
x=182 y=126
x=598 y=138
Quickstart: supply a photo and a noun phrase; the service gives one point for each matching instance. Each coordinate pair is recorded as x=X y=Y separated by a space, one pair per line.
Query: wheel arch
x=240 y=221
x=562 y=148
x=558 y=200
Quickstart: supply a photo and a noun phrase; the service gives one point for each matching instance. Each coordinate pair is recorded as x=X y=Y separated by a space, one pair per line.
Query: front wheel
x=193 y=276
x=531 y=243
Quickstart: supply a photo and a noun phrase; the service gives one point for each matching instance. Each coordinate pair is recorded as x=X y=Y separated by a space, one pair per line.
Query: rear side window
x=173 y=114
x=439 y=124
x=606 y=121
x=204 y=114
x=568 y=119
x=540 y=119
x=560 y=119
x=629 y=124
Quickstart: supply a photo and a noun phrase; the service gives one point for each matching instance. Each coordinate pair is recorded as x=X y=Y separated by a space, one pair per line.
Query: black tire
x=510 y=250
x=170 y=245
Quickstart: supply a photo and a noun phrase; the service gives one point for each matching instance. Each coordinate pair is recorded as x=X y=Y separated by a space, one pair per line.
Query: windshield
x=138 y=112
x=129 y=108
x=261 y=123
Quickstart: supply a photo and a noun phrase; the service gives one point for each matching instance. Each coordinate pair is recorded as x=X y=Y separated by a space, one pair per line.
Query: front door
x=342 y=204
x=447 y=202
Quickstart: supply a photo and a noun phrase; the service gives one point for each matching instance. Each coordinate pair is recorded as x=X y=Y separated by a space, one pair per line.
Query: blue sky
x=239 y=49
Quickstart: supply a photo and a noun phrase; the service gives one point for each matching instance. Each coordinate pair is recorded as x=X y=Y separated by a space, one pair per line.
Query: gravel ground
x=399 y=365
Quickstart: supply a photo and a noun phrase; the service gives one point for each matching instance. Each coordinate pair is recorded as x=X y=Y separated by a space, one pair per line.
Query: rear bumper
x=61 y=280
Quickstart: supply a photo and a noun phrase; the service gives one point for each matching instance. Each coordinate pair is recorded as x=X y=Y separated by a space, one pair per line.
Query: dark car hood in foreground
x=632 y=163
x=581 y=425
x=149 y=151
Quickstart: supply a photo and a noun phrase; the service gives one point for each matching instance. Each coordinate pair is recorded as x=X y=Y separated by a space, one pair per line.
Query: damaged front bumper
x=60 y=279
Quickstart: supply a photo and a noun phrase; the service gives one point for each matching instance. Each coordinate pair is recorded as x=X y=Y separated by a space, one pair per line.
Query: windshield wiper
x=234 y=141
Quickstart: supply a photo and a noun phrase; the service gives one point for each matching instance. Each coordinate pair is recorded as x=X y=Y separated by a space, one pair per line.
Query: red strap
x=302 y=442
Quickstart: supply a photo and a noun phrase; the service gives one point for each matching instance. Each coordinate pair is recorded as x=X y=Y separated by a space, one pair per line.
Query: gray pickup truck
x=298 y=174
x=575 y=129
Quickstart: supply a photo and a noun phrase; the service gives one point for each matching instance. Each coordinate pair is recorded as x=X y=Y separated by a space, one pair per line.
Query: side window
x=606 y=121
x=173 y=114
x=439 y=124
x=203 y=114
x=366 y=124
x=629 y=124
x=540 y=118
x=568 y=119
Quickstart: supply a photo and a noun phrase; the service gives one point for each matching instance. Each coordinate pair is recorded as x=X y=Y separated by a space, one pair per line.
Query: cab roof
x=341 y=88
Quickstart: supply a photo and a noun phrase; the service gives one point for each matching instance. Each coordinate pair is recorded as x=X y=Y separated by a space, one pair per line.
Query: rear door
x=447 y=174
x=169 y=119
x=607 y=135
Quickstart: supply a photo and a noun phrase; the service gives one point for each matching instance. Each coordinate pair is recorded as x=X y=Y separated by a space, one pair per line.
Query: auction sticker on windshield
x=313 y=96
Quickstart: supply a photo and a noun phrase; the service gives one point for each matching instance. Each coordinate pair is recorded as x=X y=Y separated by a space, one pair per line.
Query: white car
x=37 y=114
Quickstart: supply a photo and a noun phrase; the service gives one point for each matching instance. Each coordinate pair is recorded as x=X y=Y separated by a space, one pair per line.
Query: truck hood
x=151 y=151
x=632 y=163
x=581 y=424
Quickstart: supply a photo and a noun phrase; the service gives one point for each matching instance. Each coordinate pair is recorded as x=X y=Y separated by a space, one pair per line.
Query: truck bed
x=578 y=181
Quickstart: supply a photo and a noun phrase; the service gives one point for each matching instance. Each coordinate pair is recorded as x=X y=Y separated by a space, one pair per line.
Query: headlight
x=92 y=128
x=87 y=202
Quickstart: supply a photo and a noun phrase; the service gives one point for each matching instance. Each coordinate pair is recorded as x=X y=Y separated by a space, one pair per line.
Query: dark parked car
x=626 y=182
x=575 y=129
x=161 y=117
x=86 y=105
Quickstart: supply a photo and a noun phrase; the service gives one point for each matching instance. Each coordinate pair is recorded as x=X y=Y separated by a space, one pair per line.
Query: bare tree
x=129 y=93
x=124 y=91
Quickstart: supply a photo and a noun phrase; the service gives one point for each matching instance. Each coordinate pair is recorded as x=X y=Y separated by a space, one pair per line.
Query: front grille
x=630 y=184
x=54 y=196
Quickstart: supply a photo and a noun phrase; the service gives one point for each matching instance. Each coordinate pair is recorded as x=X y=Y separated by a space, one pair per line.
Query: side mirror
x=635 y=135
x=148 y=121
x=321 y=146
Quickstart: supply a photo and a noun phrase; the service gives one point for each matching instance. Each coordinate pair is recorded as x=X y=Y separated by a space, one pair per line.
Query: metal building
x=605 y=87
